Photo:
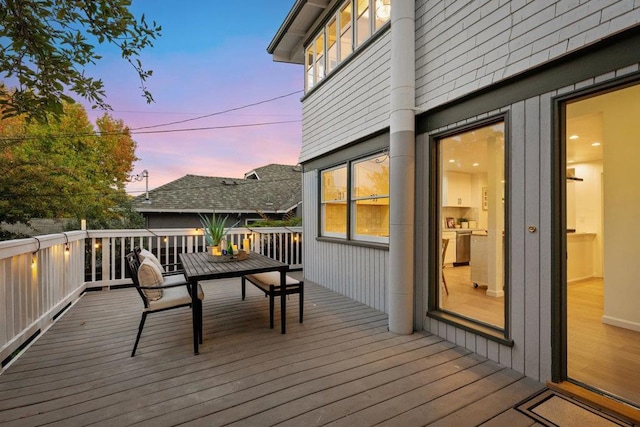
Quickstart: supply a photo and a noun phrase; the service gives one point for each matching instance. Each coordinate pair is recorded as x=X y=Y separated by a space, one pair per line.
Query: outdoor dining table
x=198 y=266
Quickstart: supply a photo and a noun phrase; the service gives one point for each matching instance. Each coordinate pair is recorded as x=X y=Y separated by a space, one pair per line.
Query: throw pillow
x=150 y=275
x=145 y=254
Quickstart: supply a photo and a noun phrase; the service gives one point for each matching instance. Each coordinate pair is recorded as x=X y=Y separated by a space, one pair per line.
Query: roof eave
x=294 y=29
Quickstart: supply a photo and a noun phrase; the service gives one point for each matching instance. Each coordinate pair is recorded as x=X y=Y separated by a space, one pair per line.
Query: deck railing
x=41 y=276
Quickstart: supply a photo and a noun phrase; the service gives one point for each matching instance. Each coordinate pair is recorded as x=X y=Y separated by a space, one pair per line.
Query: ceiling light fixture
x=595 y=144
x=574 y=137
x=476 y=164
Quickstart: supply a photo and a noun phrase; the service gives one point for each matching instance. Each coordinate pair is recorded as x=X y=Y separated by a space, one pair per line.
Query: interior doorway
x=602 y=280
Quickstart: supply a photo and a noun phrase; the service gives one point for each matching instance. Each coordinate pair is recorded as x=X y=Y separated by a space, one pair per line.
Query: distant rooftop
x=273 y=188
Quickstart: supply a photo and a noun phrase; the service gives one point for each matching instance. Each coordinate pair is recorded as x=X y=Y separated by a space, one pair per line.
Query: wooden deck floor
x=341 y=368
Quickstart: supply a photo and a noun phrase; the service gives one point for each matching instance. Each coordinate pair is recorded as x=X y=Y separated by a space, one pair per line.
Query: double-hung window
x=355 y=200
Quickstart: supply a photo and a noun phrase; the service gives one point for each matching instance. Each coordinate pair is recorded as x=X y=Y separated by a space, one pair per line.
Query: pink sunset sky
x=211 y=57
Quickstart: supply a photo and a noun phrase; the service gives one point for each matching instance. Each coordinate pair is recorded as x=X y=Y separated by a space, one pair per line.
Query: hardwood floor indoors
x=603 y=356
x=468 y=301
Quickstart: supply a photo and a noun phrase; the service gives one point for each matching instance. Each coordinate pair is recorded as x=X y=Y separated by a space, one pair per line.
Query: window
x=334 y=202
x=355 y=200
x=309 y=63
x=335 y=41
x=332 y=45
x=471 y=224
x=370 y=199
x=319 y=50
x=346 y=38
x=383 y=12
x=363 y=23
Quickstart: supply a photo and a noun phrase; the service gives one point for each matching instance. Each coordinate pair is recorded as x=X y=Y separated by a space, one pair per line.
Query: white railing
x=39 y=277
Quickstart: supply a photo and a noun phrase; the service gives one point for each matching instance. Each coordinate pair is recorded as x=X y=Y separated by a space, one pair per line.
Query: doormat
x=553 y=409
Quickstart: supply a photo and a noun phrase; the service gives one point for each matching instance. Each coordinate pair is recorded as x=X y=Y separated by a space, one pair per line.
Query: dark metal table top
x=197 y=266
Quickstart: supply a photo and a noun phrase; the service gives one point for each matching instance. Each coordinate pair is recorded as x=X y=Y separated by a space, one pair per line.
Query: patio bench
x=269 y=283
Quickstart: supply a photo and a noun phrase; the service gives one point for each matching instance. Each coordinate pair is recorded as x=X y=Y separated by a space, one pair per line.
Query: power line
x=101 y=134
x=140 y=130
x=219 y=112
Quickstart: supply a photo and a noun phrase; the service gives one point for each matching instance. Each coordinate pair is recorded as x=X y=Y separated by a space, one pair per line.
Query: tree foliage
x=45 y=46
x=65 y=169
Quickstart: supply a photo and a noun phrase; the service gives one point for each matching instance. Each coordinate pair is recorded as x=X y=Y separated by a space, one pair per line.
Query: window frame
x=374 y=27
x=353 y=201
x=322 y=204
x=349 y=235
x=492 y=332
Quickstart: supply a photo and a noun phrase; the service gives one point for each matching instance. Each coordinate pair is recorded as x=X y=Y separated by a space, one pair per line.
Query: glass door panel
x=602 y=201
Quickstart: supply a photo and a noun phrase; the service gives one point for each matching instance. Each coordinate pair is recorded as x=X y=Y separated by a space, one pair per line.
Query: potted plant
x=464 y=223
x=214 y=230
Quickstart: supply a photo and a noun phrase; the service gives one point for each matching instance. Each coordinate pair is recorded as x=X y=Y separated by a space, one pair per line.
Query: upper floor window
x=363 y=22
x=352 y=24
x=383 y=12
x=346 y=35
x=355 y=200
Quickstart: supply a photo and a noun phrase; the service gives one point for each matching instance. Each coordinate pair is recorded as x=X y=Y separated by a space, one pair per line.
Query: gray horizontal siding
x=465 y=46
x=357 y=272
x=351 y=103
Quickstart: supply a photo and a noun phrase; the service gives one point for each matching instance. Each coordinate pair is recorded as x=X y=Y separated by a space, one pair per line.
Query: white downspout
x=402 y=168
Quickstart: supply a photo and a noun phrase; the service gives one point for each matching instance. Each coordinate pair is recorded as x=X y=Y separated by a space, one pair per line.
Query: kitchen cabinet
x=456 y=189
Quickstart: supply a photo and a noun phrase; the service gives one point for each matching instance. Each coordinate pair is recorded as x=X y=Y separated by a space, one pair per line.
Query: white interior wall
x=587 y=207
x=621 y=209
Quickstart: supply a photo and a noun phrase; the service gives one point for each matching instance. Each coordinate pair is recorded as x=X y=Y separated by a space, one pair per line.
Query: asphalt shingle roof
x=278 y=188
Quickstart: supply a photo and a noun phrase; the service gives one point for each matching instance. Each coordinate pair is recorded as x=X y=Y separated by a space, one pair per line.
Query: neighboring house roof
x=270 y=189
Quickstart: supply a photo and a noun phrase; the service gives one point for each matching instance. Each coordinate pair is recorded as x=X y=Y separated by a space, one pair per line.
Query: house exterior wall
x=350 y=104
x=464 y=48
x=530 y=193
x=358 y=272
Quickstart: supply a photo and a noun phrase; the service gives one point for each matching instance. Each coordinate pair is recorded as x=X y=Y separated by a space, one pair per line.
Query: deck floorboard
x=340 y=367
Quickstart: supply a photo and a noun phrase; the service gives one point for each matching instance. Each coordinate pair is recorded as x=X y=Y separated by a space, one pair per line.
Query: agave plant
x=214 y=228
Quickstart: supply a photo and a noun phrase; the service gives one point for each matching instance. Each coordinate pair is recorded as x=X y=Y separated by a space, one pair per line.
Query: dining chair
x=160 y=293
x=445 y=244
x=167 y=269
